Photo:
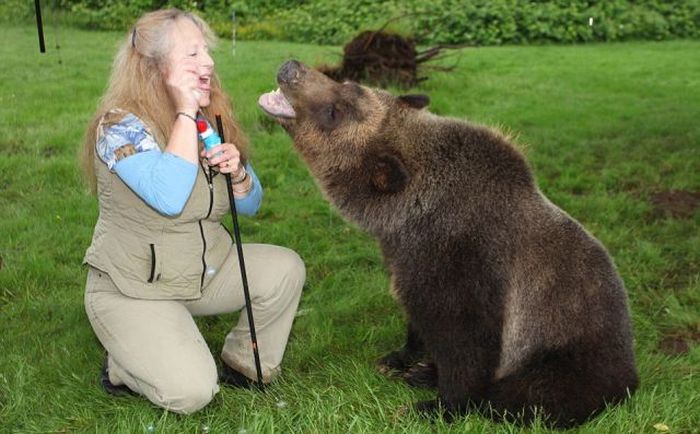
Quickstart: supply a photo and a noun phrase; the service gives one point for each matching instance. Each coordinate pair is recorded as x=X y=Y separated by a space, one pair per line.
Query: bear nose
x=288 y=72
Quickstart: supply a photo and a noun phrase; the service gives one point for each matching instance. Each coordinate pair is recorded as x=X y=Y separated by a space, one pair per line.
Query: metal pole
x=241 y=262
x=39 y=25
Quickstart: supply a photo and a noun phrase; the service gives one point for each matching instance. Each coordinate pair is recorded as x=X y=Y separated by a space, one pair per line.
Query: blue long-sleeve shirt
x=162 y=179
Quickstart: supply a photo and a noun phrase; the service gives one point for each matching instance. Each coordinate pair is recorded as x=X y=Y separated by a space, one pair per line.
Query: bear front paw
x=423 y=375
x=393 y=364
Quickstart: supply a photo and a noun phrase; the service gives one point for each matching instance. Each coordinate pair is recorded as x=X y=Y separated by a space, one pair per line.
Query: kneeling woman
x=159 y=253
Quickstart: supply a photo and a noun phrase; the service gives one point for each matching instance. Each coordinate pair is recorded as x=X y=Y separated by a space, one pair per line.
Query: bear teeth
x=276 y=104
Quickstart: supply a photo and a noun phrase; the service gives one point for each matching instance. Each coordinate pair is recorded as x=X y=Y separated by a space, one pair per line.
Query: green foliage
x=333 y=22
x=496 y=22
x=477 y=22
x=260 y=30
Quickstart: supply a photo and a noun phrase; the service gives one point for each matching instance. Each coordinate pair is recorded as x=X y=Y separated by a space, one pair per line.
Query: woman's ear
x=387 y=173
x=416 y=101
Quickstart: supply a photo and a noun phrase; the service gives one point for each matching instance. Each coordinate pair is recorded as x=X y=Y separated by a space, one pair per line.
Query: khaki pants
x=155 y=348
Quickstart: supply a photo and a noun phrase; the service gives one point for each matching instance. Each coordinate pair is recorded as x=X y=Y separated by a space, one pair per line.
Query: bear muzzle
x=276 y=103
x=289 y=73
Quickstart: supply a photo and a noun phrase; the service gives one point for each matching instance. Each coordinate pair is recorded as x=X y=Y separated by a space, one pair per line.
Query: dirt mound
x=382 y=58
x=675 y=203
x=679 y=341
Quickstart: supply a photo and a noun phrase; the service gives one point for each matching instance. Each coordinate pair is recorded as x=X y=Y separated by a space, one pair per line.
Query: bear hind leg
x=563 y=388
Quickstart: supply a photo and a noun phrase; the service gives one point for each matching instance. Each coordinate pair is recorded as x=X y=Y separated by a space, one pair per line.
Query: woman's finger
x=224 y=159
x=230 y=166
x=224 y=150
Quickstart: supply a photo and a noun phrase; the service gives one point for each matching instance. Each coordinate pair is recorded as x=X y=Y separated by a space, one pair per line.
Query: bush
x=477 y=22
x=484 y=22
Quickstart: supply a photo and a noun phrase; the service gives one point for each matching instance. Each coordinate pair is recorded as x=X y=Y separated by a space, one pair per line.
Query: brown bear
x=520 y=309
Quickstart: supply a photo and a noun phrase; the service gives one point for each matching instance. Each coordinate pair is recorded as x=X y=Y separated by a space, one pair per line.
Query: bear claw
x=422 y=375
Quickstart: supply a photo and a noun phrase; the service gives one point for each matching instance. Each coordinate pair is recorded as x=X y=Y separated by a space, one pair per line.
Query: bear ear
x=387 y=172
x=416 y=101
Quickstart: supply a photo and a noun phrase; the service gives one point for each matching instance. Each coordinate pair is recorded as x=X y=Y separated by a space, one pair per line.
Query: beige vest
x=152 y=256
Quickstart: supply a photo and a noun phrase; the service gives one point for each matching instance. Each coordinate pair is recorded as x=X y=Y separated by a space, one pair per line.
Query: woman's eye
x=193 y=54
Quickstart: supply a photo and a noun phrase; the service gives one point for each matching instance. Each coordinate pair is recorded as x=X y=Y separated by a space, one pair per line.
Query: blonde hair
x=137 y=85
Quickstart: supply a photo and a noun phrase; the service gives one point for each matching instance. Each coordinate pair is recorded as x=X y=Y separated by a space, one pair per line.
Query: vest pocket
x=153 y=263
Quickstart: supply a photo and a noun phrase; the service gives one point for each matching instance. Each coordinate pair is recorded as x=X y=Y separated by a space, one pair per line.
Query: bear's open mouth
x=275 y=104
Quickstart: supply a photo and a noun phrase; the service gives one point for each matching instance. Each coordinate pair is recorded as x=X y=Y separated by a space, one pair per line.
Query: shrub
x=478 y=22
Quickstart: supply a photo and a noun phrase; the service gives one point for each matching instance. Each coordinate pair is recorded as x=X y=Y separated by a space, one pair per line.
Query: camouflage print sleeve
x=128 y=136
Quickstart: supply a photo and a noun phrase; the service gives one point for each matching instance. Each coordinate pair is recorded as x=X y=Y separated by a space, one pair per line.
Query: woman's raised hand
x=182 y=82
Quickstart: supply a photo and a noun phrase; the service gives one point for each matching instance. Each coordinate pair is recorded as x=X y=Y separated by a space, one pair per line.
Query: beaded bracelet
x=242 y=180
x=244 y=192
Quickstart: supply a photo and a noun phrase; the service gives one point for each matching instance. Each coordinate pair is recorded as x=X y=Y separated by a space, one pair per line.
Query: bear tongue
x=275 y=104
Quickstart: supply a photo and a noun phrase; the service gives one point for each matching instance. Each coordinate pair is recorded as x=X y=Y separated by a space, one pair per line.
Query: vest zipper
x=204 y=251
x=211 y=198
x=208 y=176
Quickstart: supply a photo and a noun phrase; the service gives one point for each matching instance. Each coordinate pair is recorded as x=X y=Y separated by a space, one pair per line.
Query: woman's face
x=188 y=44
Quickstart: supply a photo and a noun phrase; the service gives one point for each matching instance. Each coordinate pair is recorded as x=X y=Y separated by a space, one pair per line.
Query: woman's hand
x=225 y=157
x=182 y=82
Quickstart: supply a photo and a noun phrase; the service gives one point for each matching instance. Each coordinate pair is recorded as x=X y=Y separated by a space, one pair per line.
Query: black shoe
x=233 y=378
x=110 y=388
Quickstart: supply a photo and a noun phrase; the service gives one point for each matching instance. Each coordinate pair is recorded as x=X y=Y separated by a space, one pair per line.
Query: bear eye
x=330 y=116
x=331 y=112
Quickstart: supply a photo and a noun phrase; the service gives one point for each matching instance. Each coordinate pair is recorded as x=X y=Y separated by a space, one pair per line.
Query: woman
x=159 y=254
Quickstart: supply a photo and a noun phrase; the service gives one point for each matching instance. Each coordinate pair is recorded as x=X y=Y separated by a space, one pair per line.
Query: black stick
x=39 y=26
x=241 y=262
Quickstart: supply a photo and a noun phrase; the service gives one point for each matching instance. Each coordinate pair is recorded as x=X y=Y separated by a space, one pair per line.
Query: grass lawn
x=608 y=129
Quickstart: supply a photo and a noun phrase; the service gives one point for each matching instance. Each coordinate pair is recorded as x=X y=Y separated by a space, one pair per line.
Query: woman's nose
x=207 y=61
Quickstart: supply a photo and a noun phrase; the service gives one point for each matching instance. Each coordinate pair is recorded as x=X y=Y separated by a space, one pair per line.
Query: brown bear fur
x=521 y=309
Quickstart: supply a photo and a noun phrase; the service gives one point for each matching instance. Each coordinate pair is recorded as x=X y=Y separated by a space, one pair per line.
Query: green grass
x=606 y=126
